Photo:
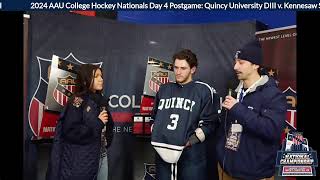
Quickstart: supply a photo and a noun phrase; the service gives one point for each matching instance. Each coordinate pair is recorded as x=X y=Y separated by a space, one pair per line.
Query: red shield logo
x=64 y=89
x=158 y=78
x=41 y=122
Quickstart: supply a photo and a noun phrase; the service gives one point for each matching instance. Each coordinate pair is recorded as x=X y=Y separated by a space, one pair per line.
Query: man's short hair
x=188 y=55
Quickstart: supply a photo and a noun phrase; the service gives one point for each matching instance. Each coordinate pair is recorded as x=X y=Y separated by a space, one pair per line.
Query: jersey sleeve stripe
x=210 y=88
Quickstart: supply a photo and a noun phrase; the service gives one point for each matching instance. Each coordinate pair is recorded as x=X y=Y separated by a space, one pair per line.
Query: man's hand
x=229 y=102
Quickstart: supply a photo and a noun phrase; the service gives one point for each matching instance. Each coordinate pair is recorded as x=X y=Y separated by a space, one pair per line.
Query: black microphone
x=100 y=100
x=229 y=92
x=231 y=86
x=103 y=103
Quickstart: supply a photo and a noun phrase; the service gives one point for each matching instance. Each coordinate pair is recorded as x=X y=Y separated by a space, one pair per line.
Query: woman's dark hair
x=188 y=55
x=85 y=77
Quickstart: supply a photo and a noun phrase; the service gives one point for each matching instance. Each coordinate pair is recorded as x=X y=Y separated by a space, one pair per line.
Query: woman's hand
x=103 y=116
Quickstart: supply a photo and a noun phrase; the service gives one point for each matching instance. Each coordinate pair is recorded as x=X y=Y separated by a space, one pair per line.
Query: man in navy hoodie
x=249 y=135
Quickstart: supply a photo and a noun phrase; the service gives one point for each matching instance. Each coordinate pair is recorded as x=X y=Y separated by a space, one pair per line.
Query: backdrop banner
x=123 y=50
x=279 y=53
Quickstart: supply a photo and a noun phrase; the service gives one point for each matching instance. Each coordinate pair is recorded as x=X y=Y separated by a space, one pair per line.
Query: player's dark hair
x=187 y=55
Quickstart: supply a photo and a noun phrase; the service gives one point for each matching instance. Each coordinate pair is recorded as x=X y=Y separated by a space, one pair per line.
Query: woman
x=83 y=132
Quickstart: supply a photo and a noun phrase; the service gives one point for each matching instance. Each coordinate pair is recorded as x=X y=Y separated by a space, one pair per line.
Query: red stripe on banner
x=65 y=98
x=122 y=117
x=85 y=13
x=156 y=87
x=34 y=115
x=72 y=89
x=61 y=98
x=292 y=117
x=55 y=94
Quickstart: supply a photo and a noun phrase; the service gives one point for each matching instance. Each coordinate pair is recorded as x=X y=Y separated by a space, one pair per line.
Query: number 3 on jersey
x=174 y=121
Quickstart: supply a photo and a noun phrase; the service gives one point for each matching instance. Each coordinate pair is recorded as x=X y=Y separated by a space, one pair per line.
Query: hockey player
x=184 y=114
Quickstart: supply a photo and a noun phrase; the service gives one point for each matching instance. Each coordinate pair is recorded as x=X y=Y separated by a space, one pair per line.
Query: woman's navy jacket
x=75 y=152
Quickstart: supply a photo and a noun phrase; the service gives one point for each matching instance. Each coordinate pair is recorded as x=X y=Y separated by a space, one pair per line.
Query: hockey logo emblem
x=158 y=78
x=41 y=122
x=64 y=89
